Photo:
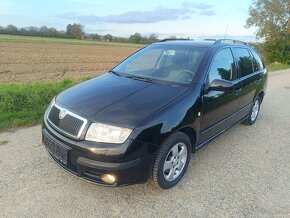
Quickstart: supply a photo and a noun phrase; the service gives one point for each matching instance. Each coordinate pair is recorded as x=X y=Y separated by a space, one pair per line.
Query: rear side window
x=222 y=66
x=244 y=60
x=257 y=62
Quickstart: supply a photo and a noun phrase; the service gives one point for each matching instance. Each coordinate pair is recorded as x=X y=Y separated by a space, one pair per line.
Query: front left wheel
x=171 y=161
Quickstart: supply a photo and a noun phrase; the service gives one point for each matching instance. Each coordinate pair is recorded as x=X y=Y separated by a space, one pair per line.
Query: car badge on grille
x=62 y=114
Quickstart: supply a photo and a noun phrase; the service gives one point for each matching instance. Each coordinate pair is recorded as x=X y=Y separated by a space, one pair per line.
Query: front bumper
x=130 y=164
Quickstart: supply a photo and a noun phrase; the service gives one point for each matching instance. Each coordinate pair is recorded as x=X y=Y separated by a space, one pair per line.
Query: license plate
x=57 y=150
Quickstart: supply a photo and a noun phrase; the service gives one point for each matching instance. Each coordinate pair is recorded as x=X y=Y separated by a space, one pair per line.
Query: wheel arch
x=261 y=95
x=191 y=133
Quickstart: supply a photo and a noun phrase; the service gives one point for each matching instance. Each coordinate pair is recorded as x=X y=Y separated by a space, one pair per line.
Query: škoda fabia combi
x=144 y=118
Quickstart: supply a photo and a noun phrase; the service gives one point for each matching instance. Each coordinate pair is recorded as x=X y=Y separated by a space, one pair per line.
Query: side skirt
x=213 y=137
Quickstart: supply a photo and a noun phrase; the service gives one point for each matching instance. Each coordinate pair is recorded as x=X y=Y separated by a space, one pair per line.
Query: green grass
x=46 y=40
x=4 y=142
x=277 y=66
x=24 y=104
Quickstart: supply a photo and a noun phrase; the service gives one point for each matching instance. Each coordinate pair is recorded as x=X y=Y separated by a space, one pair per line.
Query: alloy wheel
x=255 y=110
x=175 y=161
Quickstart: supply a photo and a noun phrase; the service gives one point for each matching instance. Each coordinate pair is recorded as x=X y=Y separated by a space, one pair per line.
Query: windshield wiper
x=145 y=79
x=114 y=72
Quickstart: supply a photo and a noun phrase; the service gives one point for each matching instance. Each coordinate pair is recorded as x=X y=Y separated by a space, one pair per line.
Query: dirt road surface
x=245 y=172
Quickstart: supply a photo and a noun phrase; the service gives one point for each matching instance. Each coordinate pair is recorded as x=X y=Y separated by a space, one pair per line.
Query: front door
x=219 y=106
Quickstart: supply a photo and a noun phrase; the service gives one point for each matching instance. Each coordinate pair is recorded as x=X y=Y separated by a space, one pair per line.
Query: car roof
x=204 y=43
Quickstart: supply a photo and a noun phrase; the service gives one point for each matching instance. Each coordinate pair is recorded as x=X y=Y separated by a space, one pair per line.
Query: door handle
x=258 y=80
x=237 y=91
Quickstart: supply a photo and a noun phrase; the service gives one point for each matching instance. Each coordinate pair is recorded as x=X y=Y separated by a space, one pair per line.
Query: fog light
x=94 y=150
x=107 y=178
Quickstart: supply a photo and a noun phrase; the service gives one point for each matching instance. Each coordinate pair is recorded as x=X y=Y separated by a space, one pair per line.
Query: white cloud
x=149 y=16
x=208 y=13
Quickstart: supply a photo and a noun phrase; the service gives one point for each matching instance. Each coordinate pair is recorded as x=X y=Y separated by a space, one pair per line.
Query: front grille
x=54 y=115
x=71 y=124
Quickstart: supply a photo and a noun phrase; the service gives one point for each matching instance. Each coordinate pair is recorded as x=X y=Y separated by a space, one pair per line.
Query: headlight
x=99 y=132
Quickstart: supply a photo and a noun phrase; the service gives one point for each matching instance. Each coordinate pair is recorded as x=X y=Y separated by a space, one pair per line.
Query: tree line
x=271 y=18
x=43 y=31
x=75 y=31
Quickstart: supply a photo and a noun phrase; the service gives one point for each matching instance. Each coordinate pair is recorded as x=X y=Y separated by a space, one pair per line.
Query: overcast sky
x=194 y=19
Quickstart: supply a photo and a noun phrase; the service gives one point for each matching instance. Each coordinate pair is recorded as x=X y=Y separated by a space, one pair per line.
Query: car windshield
x=173 y=64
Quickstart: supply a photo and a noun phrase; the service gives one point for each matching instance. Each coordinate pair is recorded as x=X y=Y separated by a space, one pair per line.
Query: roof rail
x=171 y=39
x=230 y=41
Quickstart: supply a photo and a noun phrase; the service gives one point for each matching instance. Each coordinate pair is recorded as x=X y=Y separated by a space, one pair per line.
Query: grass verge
x=277 y=66
x=25 y=104
x=4 y=142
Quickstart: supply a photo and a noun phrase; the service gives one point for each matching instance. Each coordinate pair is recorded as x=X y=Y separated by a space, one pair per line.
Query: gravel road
x=245 y=172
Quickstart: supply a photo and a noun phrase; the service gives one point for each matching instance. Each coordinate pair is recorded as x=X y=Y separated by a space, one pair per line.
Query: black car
x=145 y=117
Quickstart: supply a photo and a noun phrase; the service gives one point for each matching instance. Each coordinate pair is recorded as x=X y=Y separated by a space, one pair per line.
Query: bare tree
x=75 y=30
x=43 y=31
x=108 y=37
x=11 y=29
x=152 y=38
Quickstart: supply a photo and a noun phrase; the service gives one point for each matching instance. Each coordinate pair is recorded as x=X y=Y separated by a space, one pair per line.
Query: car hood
x=117 y=100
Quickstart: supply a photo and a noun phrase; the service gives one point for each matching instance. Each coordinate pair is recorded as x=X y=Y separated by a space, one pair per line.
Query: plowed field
x=36 y=61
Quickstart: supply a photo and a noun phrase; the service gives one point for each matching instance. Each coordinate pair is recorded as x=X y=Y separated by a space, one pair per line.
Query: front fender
x=181 y=113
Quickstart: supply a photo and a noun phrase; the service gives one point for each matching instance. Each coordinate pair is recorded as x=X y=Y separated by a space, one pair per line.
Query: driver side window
x=223 y=66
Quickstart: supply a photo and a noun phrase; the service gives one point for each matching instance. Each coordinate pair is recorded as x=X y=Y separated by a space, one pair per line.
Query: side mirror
x=221 y=85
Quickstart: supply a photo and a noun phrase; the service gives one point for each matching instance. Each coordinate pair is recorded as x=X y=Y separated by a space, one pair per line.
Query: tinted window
x=257 y=62
x=192 y=57
x=244 y=60
x=222 y=66
x=145 y=62
x=164 y=63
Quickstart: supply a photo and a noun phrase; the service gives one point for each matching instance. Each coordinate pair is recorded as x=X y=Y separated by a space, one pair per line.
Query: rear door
x=250 y=76
x=219 y=106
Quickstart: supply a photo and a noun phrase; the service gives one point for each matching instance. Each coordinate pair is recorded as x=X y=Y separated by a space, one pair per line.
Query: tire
x=254 y=112
x=171 y=161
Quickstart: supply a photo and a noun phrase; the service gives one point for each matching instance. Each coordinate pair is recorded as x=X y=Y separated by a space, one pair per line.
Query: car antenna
x=226 y=31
